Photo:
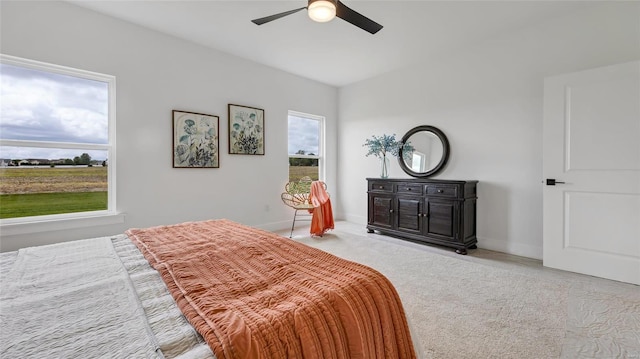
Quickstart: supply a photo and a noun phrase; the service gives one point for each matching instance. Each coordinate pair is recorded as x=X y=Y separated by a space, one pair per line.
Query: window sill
x=11 y=227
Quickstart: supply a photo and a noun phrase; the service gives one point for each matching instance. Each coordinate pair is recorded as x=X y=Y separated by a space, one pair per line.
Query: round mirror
x=424 y=151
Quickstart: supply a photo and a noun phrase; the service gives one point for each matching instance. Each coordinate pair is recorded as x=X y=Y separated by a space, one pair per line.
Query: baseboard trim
x=517 y=249
x=275 y=226
x=352 y=218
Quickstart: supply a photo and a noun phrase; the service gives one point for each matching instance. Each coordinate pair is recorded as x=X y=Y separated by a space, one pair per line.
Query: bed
x=209 y=289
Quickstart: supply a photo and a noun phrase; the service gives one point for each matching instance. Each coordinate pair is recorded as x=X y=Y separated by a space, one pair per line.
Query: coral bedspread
x=254 y=294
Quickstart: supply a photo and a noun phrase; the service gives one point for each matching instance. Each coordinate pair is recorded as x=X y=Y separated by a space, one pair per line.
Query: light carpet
x=477 y=306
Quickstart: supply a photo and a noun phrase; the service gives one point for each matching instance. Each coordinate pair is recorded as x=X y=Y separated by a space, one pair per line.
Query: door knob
x=552 y=182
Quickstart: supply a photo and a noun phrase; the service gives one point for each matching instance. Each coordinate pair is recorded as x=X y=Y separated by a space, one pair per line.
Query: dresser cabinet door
x=442 y=219
x=410 y=214
x=381 y=210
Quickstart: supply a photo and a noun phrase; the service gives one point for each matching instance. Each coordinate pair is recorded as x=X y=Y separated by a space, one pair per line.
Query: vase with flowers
x=383 y=147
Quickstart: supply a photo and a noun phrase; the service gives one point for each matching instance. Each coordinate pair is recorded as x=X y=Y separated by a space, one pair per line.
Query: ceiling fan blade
x=355 y=18
x=266 y=19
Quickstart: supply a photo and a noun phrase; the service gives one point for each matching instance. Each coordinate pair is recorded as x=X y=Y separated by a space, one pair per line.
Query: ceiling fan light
x=322 y=10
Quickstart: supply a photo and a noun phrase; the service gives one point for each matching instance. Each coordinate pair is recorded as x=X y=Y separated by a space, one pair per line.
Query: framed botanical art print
x=196 y=140
x=246 y=130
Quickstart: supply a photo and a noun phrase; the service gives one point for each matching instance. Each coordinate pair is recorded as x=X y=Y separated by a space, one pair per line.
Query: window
x=57 y=152
x=306 y=142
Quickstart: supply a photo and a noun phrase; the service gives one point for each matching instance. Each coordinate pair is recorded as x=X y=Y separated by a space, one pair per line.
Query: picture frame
x=246 y=130
x=196 y=140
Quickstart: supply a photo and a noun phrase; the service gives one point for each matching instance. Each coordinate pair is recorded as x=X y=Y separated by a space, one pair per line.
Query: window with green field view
x=56 y=147
x=306 y=136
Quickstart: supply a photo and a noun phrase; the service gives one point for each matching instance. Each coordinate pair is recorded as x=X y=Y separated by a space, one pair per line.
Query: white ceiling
x=336 y=53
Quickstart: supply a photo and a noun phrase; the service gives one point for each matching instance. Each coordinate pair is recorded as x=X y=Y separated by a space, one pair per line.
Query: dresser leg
x=369 y=230
x=473 y=246
x=462 y=251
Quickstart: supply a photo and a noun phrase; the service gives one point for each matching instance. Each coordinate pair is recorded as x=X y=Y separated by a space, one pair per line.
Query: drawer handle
x=440 y=191
x=390 y=211
x=381 y=187
x=408 y=188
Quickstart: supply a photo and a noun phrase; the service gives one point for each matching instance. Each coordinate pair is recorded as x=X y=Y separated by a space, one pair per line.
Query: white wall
x=155 y=74
x=487 y=98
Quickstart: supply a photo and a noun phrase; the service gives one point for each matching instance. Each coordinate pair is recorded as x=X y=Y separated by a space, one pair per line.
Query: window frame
x=11 y=226
x=321 y=144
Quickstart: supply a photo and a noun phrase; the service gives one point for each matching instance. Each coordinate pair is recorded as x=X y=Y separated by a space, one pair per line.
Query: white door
x=591 y=142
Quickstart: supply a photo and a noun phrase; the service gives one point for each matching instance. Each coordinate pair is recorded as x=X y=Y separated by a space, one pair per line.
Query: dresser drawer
x=381 y=186
x=442 y=190
x=409 y=188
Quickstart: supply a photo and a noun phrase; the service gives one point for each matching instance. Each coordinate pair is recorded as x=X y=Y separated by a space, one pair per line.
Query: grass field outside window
x=26 y=192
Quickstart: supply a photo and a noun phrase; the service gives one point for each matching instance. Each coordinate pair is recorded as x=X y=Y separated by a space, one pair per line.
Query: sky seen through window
x=44 y=106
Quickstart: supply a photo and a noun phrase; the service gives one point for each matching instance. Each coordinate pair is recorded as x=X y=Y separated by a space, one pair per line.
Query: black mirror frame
x=443 y=160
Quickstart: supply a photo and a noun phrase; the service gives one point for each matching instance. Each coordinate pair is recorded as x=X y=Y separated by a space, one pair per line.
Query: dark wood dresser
x=430 y=211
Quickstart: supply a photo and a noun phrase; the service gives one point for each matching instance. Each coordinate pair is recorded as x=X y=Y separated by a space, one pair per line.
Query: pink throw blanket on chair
x=322 y=219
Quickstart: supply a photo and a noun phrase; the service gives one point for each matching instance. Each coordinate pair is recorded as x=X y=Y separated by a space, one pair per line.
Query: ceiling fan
x=326 y=10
